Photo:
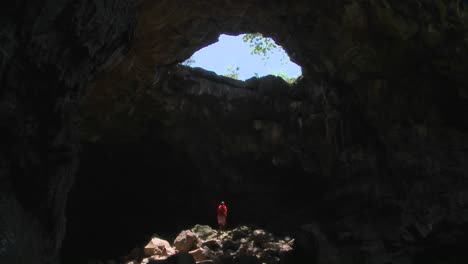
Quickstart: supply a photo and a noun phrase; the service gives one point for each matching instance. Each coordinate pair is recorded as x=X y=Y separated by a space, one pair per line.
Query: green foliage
x=189 y=62
x=232 y=72
x=263 y=46
x=260 y=45
x=285 y=77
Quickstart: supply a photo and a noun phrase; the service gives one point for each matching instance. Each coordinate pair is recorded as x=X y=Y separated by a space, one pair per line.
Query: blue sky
x=233 y=51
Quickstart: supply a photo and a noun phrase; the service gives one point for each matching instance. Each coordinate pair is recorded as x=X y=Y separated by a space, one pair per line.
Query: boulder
x=200 y=254
x=159 y=248
x=204 y=232
x=212 y=244
x=240 y=232
x=259 y=236
x=185 y=241
x=230 y=244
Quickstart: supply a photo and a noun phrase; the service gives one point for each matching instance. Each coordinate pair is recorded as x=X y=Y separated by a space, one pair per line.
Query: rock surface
x=49 y=52
x=370 y=193
x=185 y=241
x=257 y=246
x=159 y=248
x=376 y=125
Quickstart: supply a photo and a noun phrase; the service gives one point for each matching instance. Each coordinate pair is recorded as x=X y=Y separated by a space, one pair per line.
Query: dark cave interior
x=364 y=160
x=108 y=215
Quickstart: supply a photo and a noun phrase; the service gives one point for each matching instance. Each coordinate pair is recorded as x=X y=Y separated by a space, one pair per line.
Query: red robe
x=222 y=213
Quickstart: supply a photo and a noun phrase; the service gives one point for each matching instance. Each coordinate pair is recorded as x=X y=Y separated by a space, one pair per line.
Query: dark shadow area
x=445 y=244
x=124 y=194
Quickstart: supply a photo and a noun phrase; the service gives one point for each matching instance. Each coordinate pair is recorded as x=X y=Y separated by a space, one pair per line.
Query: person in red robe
x=222 y=214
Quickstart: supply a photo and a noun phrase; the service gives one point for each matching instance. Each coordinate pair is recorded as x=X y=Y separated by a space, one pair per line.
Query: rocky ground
x=369 y=150
x=202 y=244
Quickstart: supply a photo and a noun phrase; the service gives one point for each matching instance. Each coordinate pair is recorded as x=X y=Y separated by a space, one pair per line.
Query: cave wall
x=298 y=159
x=372 y=123
x=383 y=138
x=50 y=50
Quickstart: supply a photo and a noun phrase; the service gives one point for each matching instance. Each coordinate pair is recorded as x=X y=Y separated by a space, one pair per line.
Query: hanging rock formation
x=366 y=155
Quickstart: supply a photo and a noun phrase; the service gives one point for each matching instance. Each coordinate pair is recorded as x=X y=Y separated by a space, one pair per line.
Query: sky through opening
x=231 y=54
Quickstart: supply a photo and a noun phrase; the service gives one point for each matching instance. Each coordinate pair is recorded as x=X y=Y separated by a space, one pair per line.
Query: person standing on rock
x=222 y=214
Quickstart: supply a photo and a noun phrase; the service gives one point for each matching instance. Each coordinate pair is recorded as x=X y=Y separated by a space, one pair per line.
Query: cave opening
x=158 y=157
x=374 y=124
x=244 y=56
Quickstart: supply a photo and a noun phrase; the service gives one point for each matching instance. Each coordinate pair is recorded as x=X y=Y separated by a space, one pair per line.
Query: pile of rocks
x=205 y=245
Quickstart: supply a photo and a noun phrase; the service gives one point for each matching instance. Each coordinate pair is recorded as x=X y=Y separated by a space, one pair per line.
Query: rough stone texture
x=159 y=248
x=203 y=232
x=377 y=123
x=266 y=124
x=257 y=245
x=49 y=51
x=185 y=241
x=255 y=142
